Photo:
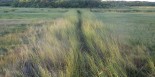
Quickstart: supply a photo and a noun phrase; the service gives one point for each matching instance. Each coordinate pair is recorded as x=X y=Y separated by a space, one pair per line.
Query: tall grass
x=116 y=58
x=47 y=50
x=73 y=46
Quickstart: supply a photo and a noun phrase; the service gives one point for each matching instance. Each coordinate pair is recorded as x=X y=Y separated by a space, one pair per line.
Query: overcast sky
x=133 y=0
x=142 y=0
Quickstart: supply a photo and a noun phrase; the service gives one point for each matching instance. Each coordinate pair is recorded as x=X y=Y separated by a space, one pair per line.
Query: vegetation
x=43 y=42
x=73 y=3
x=78 y=3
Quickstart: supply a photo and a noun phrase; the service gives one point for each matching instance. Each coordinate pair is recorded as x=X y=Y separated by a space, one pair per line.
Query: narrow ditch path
x=83 y=43
x=83 y=65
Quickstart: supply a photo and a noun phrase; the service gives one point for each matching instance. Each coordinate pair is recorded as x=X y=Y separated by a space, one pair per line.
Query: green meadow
x=56 y=42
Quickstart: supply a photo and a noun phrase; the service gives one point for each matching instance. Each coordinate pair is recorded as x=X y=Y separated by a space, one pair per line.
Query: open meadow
x=59 y=42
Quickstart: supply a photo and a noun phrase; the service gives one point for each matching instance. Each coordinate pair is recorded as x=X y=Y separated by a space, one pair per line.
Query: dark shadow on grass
x=83 y=66
x=83 y=44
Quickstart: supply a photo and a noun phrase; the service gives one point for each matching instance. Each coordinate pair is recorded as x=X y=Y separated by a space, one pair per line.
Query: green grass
x=134 y=9
x=131 y=27
x=76 y=43
x=30 y=13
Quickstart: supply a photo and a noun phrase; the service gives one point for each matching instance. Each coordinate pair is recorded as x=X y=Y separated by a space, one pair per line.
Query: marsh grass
x=78 y=44
x=47 y=49
x=130 y=44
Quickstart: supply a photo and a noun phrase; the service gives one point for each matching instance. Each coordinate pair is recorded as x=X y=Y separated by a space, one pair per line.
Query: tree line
x=57 y=3
x=72 y=3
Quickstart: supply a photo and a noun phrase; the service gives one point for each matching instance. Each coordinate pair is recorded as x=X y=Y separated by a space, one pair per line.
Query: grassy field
x=45 y=42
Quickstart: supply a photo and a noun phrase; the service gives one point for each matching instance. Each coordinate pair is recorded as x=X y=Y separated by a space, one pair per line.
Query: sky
x=135 y=0
x=142 y=0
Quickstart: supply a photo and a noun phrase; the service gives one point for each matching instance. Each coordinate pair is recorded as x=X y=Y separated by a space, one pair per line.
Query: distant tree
x=76 y=3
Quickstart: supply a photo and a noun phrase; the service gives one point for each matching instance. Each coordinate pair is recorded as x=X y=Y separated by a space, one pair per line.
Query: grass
x=134 y=9
x=28 y=15
x=134 y=30
x=76 y=43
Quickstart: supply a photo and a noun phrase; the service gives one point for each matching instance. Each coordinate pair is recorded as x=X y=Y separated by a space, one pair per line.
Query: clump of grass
x=6 y=11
